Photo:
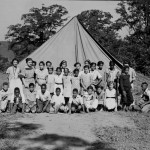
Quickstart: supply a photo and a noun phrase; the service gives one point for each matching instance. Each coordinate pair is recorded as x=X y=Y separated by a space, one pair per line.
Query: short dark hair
x=111 y=63
x=87 y=60
x=86 y=66
x=52 y=68
x=58 y=89
x=15 y=59
x=144 y=83
x=42 y=62
x=48 y=62
x=16 y=89
x=43 y=85
x=100 y=63
x=100 y=86
x=77 y=63
x=66 y=69
x=31 y=84
x=5 y=83
x=63 y=61
x=90 y=87
x=93 y=63
x=75 y=70
x=28 y=59
x=34 y=62
x=58 y=68
x=75 y=90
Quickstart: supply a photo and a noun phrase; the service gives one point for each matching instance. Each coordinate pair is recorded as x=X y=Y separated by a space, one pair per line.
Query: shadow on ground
x=66 y=142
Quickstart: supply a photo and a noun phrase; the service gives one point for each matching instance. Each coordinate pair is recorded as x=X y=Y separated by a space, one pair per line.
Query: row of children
x=40 y=87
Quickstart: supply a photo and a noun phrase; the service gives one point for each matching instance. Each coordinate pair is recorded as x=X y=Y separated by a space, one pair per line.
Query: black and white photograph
x=74 y=75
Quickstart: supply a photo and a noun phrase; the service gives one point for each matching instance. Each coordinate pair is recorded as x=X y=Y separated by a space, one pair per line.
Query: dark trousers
x=41 y=105
x=128 y=100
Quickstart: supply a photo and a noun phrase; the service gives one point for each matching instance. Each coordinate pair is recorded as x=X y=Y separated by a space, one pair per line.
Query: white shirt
x=58 y=79
x=95 y=74
x=13 y=72
x=110 y=93
x=58 y=100
x=112 y=74
x=132 y=74
x=77 y=100
x=44 y=97
x=41 y=74
x=5 y=93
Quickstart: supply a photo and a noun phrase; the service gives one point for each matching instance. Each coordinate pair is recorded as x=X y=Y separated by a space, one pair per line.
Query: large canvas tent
x=74 y=44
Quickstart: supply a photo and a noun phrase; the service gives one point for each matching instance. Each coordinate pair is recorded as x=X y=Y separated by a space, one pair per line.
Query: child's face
x=144 y=87
x=93 y=67
x=29 y=63
x=112 y=67
x=111 y=86
x=66 y=72
x=100 y=66
x=126 y=71
x=31 y=88
x=50 y=71
x=5 y=87
x=58 y=72
x=64 y=65
x=34 y=64
x=17 y=93
x=15 y=63
x=58 y=92
x=43 y=89
x=76 y=73
x=86 y=63
x=48 y=65
x=86 y=70
x=78 y=66
x=90 y=91
x=75 y=93
x=99 y=90
x=41 y=66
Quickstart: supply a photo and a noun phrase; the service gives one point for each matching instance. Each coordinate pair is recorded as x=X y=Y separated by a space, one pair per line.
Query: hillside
x=4 y=50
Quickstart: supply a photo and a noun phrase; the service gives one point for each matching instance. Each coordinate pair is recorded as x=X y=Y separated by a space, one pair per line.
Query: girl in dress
x=41 y=75
x=13 y=76
x=67 y=86
x=110 y=97
x=75 y=80
x=58 y=78
x=51 y=81
x=29 y=73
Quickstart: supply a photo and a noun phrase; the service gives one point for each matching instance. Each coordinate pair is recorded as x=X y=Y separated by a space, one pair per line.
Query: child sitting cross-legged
x=100 y=95
x=76 y=102
x=30 y=96
x=17 y=101
x=43 y=99
x=110 y=97
x=90 y=100
x=58 y=101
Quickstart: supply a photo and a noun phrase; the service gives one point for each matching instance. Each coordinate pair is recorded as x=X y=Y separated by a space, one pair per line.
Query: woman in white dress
x=13 y=75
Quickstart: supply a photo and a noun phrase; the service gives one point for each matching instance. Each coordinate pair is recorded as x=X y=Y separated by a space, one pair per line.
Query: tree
x=100 y=26
x=135 y=15
x=38 y=25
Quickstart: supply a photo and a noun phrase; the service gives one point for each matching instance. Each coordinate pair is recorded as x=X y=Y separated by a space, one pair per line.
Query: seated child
x=51 y=81
x=100 y=95
x=110 y=97
x=125 y=87
x=144 y=104
x=58 y=101
x=17 y=101
x=76 y=102
x=5 y=96
x=90 y=100
x=43 y=99
x=75 y=80
x=30 y=96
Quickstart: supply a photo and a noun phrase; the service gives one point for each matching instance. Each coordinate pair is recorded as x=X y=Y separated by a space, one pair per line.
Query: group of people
x=89 y=88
